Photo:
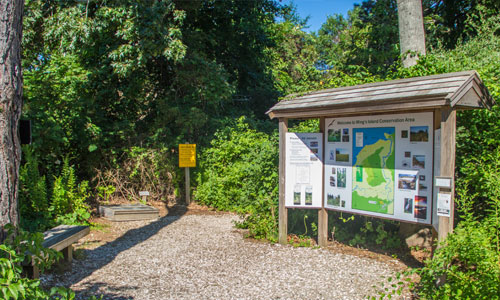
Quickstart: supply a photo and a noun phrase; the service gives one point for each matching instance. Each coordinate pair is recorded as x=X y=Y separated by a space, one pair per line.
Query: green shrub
x=467 y=263
x=17 y=248
x=467 y=267
x=239 y=172
x=65 y=204
x=68 y=198
x=33 y=198
x=262 y=220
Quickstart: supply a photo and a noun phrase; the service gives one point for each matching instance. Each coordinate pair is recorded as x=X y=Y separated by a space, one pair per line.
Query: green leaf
x=92 y=147
x=13 y=290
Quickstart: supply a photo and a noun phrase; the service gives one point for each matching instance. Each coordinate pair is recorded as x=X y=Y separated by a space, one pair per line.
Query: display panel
x=380 y=165
x=303 y=168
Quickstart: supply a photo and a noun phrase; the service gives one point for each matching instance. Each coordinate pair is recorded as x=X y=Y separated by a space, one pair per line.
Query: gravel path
x=204 y=257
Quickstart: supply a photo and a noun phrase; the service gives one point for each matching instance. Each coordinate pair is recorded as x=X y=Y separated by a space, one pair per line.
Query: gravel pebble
x=204 y=257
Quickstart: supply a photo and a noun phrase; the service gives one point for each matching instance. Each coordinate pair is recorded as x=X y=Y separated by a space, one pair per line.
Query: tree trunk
x=412 y=44
x=11 y=90
x=411 y=31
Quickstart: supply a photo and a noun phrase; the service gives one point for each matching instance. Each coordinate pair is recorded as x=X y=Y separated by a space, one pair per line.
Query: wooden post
x=433 y=241
x=187 y=159
x=448 y=120
x=68 y=253
x=283 y=212
x=322 y=213
x=34 y=273
x=188 y=187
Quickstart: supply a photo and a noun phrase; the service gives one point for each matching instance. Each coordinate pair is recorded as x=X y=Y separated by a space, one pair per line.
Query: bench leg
x=68 y=253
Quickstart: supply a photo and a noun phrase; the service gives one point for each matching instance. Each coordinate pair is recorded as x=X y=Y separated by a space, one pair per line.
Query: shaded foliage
x=18 y=248
x=47 y=202
x=105 y=78
x=450 y=22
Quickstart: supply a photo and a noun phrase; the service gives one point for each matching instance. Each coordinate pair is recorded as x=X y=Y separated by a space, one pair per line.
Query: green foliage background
x=239 y=174
x=112 y=87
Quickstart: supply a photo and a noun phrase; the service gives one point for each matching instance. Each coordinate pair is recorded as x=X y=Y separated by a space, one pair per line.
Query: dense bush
x=239 y=173
x=467 y=265
x=139 y=169
x=33 y=198
x=361 y=231
x=68 y=202
x=18 y=248
x=41 y=206
x=466 y=268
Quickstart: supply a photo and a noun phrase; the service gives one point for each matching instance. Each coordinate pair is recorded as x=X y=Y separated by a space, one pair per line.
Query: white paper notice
x=303 y=172
x=444 y=205
x=443 y=182
x=359 y=139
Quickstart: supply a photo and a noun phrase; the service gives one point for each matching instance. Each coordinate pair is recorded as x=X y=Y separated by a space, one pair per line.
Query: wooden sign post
x=187 y=159
x=144 y=195
x=282 y=210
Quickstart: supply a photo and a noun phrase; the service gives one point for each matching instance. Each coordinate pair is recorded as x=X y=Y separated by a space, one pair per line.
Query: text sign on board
x=187 y=155
x=304 y=169
x=380 y=165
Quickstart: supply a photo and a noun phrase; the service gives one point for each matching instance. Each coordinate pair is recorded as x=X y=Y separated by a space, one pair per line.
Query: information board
x=187 y=155
x=303 y=168
x=380 y=165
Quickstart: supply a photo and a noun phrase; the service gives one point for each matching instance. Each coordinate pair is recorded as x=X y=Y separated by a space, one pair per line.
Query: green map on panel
x=373 y=169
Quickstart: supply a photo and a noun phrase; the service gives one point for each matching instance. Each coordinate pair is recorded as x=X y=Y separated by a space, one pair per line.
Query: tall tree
x=11 y=90
x=411 y=31
x=367 y=39
x=449 y=22
x=412 y=44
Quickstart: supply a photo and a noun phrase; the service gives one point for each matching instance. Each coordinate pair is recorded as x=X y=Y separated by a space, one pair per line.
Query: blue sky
x=318 y=10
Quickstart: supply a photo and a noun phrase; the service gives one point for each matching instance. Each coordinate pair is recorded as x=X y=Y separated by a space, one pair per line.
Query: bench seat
x=60 y=238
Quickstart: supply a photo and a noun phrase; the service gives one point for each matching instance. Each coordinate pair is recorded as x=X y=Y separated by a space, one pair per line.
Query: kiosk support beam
x=322 y=213
x=448 y=119
x=283 y=211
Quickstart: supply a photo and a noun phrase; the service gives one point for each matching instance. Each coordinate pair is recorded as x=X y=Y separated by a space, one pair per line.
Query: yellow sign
x=187 y=155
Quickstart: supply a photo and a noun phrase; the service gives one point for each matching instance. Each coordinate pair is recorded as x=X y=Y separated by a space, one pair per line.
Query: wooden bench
x=60 y=238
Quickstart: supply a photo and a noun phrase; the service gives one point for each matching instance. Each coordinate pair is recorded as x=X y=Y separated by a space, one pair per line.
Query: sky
x=318 y=10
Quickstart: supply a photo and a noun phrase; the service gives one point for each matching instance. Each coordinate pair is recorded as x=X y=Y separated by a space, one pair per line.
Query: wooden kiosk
x=416 y=121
